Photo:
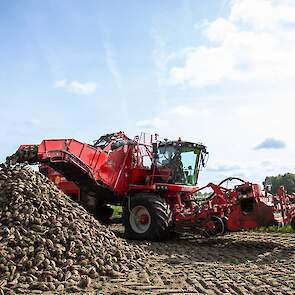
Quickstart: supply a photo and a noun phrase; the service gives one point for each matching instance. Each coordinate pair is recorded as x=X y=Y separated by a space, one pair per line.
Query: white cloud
x=60 y=83
x=223 y=167
x=263 y=14
x=255 y=43
x=230 y=128
x=160 y=56
x=181 y=110
x=77 y=86
x=32 y=122
x=249 y=55
x=152 y=124
x=112 y=63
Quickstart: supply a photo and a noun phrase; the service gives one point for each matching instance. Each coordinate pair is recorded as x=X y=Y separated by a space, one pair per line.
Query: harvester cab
x=183 y=159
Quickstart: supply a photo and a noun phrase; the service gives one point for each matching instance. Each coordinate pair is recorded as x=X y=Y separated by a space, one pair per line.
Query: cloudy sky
x=218 y=72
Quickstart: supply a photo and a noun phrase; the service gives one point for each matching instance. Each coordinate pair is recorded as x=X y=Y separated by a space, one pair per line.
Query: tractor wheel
x=293 y=222
x=147 y=216
x=103 y=213
x=219 y=227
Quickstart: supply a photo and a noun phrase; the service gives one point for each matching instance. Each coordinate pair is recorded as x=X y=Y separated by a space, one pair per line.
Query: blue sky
x=197 y=69
x=109 y=44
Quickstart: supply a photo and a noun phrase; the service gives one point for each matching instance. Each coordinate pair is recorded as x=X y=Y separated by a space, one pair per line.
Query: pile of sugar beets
x=50 y=243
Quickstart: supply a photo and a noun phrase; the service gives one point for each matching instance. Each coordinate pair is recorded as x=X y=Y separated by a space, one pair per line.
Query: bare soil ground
x=237 y=263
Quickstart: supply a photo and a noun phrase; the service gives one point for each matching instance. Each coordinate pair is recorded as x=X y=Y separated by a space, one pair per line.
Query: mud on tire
x=153 y=212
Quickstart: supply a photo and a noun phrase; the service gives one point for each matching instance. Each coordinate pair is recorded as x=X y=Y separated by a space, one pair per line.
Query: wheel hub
x=140 y=219
x=144 y=219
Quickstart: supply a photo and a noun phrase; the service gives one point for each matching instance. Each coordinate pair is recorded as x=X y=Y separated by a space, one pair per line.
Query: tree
x=287 y=180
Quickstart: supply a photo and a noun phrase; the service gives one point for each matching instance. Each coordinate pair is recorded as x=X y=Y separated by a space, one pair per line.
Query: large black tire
x=104 y=213
x=160 y=222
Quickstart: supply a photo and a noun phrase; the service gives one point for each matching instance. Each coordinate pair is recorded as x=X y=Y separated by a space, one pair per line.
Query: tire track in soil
x=237 y=263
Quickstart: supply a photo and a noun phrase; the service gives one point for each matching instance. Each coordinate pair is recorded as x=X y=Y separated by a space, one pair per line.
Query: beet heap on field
x=48 y=242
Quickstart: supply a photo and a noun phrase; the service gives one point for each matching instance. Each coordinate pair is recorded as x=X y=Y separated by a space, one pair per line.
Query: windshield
x=183 y=162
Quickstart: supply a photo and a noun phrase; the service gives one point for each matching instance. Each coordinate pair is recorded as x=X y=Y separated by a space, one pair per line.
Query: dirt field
x=239 y=263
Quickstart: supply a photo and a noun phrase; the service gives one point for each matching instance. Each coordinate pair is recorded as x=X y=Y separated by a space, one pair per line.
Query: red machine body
x=155 y=177
x=68 y=187
x=239 y=207
x=119 y=169
x=155 y=181
x=283 y=205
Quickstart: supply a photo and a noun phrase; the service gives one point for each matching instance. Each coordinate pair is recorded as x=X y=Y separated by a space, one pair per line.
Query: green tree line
x=287 y=180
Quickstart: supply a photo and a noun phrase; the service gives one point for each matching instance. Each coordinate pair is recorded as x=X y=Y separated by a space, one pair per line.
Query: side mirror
x=202 y=160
